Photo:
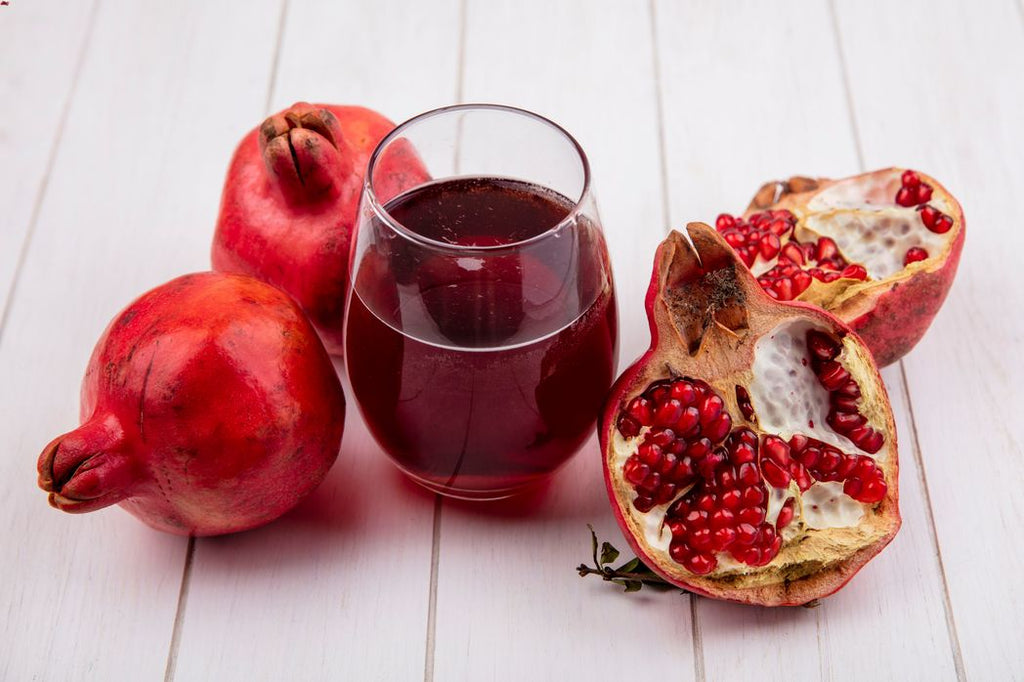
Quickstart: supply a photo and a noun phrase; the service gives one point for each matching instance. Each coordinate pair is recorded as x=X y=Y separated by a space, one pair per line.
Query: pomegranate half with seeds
x=877 y=250
x=750 y=454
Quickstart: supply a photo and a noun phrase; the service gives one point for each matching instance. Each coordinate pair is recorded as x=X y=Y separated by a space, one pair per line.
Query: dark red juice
x=480 y=370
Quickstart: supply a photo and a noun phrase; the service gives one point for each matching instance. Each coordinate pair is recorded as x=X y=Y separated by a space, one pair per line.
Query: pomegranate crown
x=304 y=152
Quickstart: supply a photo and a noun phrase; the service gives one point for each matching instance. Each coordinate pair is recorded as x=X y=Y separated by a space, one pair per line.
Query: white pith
x=861 y=216
x=786 y=395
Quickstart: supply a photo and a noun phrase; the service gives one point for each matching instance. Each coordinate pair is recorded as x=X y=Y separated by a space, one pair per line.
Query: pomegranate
x=290 y=202
x=878 y=250
x=209 y=406
x=750 y=453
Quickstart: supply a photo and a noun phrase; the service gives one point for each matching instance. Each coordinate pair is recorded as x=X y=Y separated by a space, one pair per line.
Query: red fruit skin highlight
x=290 y=201
x=209 y=406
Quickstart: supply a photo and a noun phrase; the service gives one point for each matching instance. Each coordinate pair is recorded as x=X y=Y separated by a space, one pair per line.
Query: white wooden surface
x=117 y=120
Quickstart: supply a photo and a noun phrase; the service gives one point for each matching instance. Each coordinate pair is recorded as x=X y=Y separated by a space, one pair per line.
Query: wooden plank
x=959 y=118
x=130 y=203
x=749 y=95
x=35 y=91
x=509 y=604
x=339 y=588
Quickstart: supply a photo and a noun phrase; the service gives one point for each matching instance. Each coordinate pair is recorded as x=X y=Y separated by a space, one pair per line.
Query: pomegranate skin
x=672 y=352
x=290 y=200
x=209 y=406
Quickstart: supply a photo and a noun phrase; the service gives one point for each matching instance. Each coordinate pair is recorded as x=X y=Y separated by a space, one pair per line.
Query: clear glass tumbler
x=481 y=329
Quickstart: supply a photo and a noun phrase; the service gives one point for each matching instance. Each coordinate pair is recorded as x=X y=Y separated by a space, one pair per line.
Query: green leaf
x=608 y=553
x=632 y=566
x=593 y=545
x=633 y=585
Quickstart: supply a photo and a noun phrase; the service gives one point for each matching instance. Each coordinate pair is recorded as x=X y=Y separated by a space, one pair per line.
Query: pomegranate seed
x=724 y=222
x=846 y=467
x=687 y=419
x=751 y=515
x=914 y=254
x=828 y=461
x=844 y=422
x=808 y=456
x=665 y=494
x=910 y=179
x=722 y=538
x=785 y=514
x=801 y=280
x=854 y=272
x=628 y=427
x=722 y=518
x=832 y=375
x=943 y=225
x=844 y=403
x=774 y=474
x=643 y=504
x=719 y=429
x=783 y=290
x=731 y=499
x=710 y=409
x=701 y=564
x=745 y=534
x=867 y=439
x=754 y=496
x=801 y=476
x=743 y=454
x=776 y=448
x=850 y=389
x=635 y=471
x=743 y=400
x=640 y=410
x=700 y=539
x=684 y=392
x=924 y=193
x=734 y=238
x=793 y=253
x=906 y=196
x=706 y=502
x=827 y=249
x=873 y=491
x=678 y=551
x=667 y=413
x=649 y=453
x=747 y=474
x=770 y=246
x=798 y=442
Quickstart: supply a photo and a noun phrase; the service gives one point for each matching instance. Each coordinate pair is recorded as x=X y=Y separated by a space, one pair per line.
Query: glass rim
x=570 y=218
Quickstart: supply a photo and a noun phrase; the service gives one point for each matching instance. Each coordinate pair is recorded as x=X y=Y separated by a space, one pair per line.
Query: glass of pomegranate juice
x=480 y=337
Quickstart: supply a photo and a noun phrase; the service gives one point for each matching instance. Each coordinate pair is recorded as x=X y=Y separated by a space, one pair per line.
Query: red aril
x=877 y=250
x=209 y=406
x=750 y=454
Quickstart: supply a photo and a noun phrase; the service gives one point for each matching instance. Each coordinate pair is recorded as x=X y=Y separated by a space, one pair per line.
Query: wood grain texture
x=339 y=588
x=35 y=90
x=960 y=120
x=734 y=118
x=128 y=207
x=509 y=605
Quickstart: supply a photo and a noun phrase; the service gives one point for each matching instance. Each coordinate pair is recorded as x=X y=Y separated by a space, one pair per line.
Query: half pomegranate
x=750 y=453
x=877 y=250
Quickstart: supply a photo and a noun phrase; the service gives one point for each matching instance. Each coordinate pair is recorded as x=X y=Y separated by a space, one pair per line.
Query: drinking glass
x=480 y=337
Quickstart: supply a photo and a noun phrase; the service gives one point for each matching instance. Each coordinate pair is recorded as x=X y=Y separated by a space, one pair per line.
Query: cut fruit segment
x=877 y=250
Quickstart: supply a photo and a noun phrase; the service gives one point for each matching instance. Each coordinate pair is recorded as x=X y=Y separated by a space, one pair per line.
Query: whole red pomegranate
x=750 y=453
x=209 y=406
x=290 y=201
x=877 y=250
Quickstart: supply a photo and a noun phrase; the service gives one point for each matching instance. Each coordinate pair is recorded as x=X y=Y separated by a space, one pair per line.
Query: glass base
x=475 y=494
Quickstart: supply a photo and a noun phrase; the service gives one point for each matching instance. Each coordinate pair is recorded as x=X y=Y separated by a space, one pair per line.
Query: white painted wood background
x=117 y=119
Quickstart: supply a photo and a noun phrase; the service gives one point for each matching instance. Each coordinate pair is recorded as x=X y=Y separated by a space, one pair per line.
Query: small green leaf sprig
x=632 y=575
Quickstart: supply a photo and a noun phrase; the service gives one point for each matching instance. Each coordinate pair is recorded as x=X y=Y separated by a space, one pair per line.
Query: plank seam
x=847 y=89
x=272 y=86
x=659 y=116
x=179 y=615
x=51 y=161
x=954 y=638
x=435 y=556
